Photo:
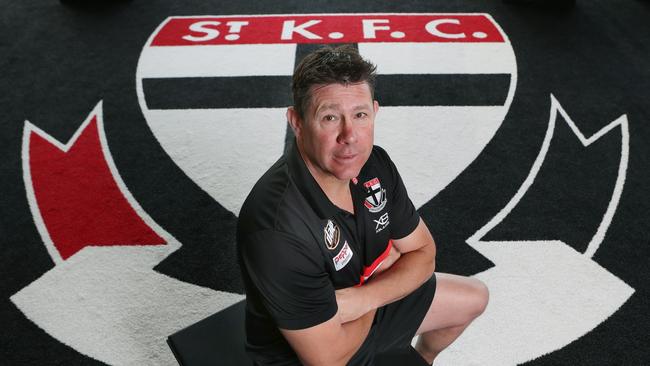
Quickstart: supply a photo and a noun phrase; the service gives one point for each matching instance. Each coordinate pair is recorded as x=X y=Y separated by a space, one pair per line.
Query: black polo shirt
x=295 y=247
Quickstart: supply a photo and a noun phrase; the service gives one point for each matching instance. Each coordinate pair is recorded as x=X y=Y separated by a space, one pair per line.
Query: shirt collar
x=308 y=186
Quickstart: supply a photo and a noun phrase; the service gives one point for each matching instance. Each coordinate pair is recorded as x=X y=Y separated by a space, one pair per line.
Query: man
x=336 y=262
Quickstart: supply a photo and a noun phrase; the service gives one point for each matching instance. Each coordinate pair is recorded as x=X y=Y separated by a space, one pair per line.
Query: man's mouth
x=345 y=157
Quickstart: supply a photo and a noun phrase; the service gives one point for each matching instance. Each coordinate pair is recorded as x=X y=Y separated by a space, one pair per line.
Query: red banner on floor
x=324 y=28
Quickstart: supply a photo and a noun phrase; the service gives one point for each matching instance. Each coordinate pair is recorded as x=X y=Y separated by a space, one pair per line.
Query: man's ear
x=294 y=121
x=375 y=105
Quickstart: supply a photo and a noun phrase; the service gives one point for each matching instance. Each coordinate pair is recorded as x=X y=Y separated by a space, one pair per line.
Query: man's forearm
x=403 y=277
x=347 y=342
x=355 y=333
x=410 y=271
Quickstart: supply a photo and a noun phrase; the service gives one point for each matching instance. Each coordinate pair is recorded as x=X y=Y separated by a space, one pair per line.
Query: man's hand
x=351 y=304
x=416 y=264
x=351 y=300
x=388 y=262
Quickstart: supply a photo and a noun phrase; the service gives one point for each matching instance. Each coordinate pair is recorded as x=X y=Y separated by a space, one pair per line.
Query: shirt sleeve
x=404 y=218
x=291 y=279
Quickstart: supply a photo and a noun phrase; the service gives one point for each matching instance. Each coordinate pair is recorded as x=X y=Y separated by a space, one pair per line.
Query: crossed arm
x=335 y=341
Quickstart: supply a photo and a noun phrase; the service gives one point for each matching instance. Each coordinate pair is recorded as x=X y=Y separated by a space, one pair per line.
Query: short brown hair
x=329 y=65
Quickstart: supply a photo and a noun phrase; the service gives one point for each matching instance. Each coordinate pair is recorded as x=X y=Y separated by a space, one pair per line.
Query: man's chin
x=347 y=174
x=347 y=170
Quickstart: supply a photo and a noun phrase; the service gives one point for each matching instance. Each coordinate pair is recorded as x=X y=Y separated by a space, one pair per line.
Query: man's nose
x=347 y=134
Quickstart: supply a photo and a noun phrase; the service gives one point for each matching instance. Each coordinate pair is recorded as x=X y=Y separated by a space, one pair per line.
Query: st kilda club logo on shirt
x=242 y=66
x=376 y=196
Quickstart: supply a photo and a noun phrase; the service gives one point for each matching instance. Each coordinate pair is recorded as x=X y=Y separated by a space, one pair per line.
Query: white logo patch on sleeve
x=343 y=257
x=381 y=223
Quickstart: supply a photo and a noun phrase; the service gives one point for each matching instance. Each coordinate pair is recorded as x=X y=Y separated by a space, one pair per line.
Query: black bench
x=219 y=340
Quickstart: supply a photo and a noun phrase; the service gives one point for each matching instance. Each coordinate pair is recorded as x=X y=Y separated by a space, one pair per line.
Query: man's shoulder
x=266 y=196
x=378 y=164
x=379 y=158
x=275 y=205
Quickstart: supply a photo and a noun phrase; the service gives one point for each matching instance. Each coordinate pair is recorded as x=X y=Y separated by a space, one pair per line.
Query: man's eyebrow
x=362 y=106
x=336 y=106
x=327 y=106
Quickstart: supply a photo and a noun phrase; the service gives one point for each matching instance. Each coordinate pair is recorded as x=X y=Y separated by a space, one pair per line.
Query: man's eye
x=329 y=118
x=361 y=114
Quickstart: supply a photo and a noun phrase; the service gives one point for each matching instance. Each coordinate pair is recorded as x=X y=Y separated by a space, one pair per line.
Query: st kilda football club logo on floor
x=213 y=90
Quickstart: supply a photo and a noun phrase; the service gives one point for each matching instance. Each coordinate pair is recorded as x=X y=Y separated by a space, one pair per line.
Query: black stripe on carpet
x=274 y=91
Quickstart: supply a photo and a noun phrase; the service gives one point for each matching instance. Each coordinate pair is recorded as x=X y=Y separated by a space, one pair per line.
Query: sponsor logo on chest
x=343 y=257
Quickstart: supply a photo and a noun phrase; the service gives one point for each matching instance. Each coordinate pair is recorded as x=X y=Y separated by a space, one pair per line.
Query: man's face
x=337 y=133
